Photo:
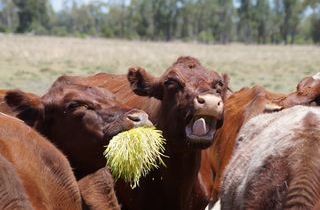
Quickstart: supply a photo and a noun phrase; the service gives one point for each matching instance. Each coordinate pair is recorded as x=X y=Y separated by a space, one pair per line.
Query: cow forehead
x=79 y=92
x=190 y=75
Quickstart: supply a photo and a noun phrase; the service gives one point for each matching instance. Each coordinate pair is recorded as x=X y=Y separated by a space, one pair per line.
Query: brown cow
x=186 y=102
x=239 y=108
x=276 y=164
x=33 y=173
x=79 y=120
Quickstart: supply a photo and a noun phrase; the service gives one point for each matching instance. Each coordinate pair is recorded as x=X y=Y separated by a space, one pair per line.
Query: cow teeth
x=199 y=127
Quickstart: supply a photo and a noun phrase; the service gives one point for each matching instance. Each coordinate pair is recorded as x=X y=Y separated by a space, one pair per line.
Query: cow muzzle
x=139 y=119
x=209 y=105
x=207 y=118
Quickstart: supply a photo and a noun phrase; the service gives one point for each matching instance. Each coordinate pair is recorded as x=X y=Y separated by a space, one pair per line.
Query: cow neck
x=283 y=101
x=173 y=128
x=176 y=144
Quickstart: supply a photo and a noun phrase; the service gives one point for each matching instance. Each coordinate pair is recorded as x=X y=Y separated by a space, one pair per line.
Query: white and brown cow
x=276 y=164
x=239 y=108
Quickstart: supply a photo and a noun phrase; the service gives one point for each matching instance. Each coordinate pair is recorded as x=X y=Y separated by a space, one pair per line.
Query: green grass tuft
x=132 y=154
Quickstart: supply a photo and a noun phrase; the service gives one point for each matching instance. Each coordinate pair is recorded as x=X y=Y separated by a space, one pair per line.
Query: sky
x=58 y=4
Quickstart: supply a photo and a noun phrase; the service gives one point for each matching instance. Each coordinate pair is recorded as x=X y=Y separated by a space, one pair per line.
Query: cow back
x=276 y=164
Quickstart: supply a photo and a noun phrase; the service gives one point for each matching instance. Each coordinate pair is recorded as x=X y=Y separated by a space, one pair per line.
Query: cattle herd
x=249 y=149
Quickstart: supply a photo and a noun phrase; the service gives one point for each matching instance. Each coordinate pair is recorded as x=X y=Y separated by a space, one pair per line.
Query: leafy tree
x=262 y=18
x=8 y=16
x=208 y=21
x=246 y=24
x=315 y=30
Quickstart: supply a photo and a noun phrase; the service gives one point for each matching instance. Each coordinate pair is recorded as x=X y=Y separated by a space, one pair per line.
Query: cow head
x=80 y=120
x=307 y=93
x=191 y=99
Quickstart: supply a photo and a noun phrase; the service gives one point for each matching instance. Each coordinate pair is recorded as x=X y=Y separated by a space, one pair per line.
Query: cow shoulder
x=12 y=192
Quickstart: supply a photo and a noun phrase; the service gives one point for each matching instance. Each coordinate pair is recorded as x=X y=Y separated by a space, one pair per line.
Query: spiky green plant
x=132 y=154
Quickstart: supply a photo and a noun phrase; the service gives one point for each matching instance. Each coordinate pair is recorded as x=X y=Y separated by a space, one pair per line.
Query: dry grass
x=33 y=63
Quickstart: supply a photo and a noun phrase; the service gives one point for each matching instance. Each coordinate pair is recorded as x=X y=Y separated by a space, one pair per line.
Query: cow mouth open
x=201 y=130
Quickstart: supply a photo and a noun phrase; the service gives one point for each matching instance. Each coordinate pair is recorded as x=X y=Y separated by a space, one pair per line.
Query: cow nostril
x=134 y=118
x=200 y=100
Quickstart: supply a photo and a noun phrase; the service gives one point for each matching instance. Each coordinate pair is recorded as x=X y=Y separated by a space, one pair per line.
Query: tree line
x=207 y=21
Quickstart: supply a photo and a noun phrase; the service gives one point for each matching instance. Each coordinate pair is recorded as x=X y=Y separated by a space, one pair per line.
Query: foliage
x=208 y=21
x=132 y=154
x=316 y=29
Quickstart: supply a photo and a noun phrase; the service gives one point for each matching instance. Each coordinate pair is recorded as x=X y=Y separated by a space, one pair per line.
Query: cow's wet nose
x=209 y=104
x=139 y=119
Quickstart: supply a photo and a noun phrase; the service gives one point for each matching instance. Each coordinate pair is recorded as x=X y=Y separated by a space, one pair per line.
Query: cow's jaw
x=200 y=131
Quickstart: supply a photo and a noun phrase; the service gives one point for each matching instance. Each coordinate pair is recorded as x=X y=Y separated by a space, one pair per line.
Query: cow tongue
x=199 y=127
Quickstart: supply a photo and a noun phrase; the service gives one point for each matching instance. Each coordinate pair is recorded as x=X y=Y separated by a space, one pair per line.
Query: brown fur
x=304 y=188
x=79 y=120
x=5 y=108
x=97 y=190
x=12 y=192
x=308 y=91
x=169 y=105
x=34 y=173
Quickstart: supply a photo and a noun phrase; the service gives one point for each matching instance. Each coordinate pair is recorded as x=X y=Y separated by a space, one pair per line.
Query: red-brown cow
x=239 y=108
x=276 y=164
x=78 y=119
x=33 y=152
x=186 y=102
x=33 y=173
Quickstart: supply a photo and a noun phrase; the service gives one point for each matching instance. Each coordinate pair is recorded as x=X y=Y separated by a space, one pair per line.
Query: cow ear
x=144 y=84
x=28 y=107
x=227 y=92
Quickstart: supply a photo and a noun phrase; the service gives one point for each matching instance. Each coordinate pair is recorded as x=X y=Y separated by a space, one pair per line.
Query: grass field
x=33 y=63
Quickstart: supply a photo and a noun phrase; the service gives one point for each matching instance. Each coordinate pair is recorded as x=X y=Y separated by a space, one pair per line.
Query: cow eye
x=219 y=83
x=76 y=104
x=218 y=86
x=172 y=84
